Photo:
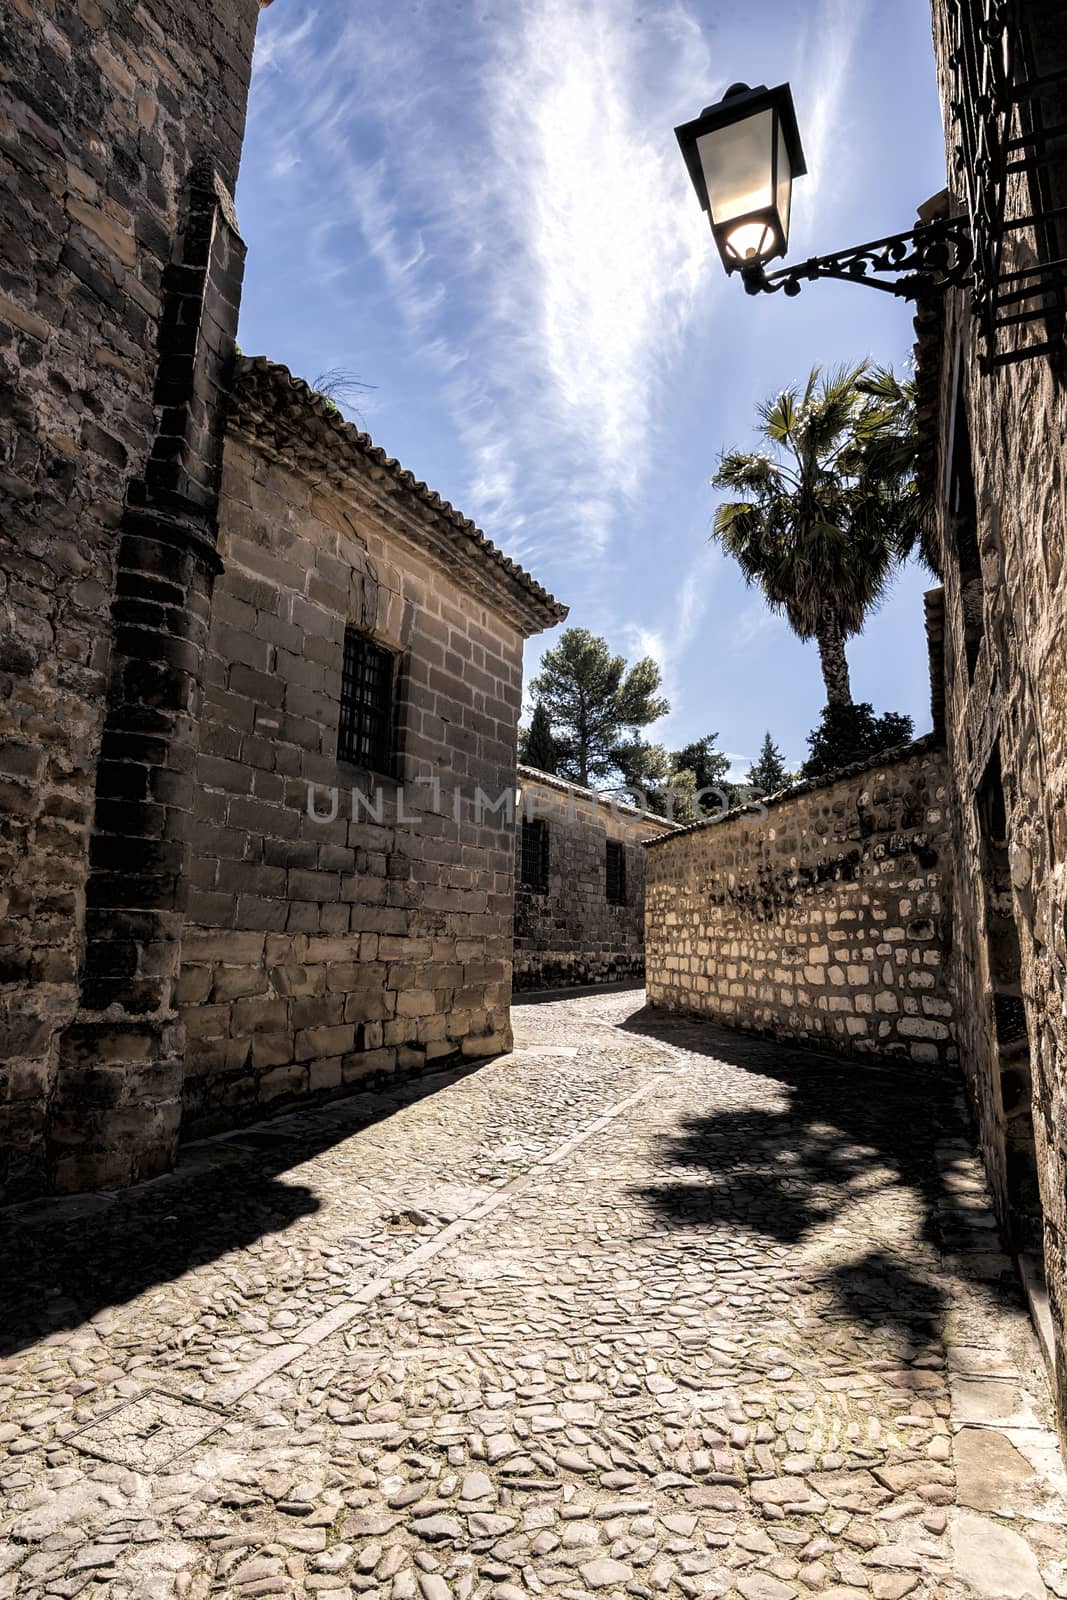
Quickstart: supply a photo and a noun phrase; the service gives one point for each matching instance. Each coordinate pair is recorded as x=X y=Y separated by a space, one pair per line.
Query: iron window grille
x=997 y=104
x=533 y=865
x=365 y=728
x=616 y=873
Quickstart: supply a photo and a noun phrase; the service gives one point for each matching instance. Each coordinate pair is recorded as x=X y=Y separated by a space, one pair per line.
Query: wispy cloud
x=754 y=624
x=828 y=48
x=670 y=640
x=529 y=219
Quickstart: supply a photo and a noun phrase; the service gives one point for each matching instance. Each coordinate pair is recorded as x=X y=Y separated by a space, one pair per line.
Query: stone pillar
x=116 y=1108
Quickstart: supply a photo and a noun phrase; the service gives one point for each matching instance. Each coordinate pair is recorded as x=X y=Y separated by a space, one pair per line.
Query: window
x=616 y=873
x=533 y=865
x=364 y=733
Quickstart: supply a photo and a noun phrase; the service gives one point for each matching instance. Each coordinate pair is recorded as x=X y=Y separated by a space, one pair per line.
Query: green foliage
x=683 y=784
x=645 y=770
x=888 y=436
x=822 y=518
x=340 y=388
x=595 y=704
x=710 y=768
x=849 y=734
x=769 y=773
x=537 y=747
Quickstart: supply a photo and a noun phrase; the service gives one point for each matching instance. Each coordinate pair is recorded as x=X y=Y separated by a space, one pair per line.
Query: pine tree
x=769 y=773
x=710 y=769
x=596 y=703
x=537 y=747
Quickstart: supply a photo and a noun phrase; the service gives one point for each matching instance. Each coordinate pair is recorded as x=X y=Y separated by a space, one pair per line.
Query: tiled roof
x=272 y=389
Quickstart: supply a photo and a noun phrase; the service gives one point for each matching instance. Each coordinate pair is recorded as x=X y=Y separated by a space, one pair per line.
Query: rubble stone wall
x=106 y=106
x=1007 y=715
x=826 y=920
x=321 y=955
x=570 y=933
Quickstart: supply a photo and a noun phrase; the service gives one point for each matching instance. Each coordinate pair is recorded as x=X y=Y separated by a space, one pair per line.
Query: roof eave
x=265 y=389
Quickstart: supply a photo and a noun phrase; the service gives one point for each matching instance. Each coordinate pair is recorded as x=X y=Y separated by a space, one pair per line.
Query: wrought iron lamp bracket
x=929 y=259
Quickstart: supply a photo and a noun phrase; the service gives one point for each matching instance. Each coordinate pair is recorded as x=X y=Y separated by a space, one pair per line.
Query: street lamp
x=743 y=155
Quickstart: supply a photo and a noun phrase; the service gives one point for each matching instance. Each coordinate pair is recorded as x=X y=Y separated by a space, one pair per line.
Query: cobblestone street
x=645 y=1308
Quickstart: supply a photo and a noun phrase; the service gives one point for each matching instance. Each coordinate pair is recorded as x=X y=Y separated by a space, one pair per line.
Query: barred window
x=364 y=732
x=616 y=873
x=533 y=864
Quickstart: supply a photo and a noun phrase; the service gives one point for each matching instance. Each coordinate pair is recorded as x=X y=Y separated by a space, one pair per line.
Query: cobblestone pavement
x=643 y=1309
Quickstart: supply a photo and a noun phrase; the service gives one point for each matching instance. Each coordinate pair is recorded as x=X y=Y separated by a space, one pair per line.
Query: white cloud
x=669 y=642
x=754 y=624
x=829 y=43
x=610 y=247
x=531 y=223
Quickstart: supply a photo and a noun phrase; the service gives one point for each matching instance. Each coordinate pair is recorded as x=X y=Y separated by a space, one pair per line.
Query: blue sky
x=478 y=207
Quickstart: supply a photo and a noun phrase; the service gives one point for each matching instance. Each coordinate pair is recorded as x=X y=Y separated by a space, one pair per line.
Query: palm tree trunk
x=834 y=663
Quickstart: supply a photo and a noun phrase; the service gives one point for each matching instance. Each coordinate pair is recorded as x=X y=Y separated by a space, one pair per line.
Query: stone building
x=365 y=647
x=123 y=122
x=579 y=884
x=118 y=306
x=992 y=371
x=823 y=916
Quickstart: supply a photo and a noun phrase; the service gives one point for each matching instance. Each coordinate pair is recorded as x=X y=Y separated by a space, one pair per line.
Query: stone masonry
x=823 y=919
x=132 y=857
x=115 y=117
x=645 y=1309
x=995 y=472
x=317 y=954
x=567 y=930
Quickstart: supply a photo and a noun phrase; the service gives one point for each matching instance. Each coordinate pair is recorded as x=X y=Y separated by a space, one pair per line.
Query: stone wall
x=569 y=932
x=1004 y=552
x=824 y=920
x=320 y=955
x=107 y=106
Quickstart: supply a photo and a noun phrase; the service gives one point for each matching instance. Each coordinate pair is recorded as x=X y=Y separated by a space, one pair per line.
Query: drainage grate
x=148 y=1432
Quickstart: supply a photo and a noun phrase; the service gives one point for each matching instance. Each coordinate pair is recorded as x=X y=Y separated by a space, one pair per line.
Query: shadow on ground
x=843 y=1129
x=64 y=1260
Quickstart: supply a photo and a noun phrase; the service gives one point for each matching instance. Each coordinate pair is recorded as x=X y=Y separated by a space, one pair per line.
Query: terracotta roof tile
x=272 y=387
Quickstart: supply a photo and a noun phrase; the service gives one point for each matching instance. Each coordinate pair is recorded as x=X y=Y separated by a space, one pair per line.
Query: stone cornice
x=549 y=780
x=926 y=745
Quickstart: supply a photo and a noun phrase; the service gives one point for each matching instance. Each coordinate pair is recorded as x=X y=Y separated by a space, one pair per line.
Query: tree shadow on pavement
x=66 y=1259
x=839 y=1132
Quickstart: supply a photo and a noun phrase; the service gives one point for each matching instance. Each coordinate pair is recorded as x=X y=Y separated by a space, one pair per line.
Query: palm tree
x=817 y=529
x=888 y=433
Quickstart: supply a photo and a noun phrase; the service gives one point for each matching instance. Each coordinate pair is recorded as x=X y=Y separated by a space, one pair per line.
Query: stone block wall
x=825 y=920
x=569 y=932
x=107 y=106
x=1004 y=554
x=319 y=955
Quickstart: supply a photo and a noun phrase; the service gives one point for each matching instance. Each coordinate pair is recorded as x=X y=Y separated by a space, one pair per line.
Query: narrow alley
x=643 y=1308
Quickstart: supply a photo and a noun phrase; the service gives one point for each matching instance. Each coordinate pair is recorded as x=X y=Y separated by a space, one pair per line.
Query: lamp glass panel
x=738 y=166
x=785 y=183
